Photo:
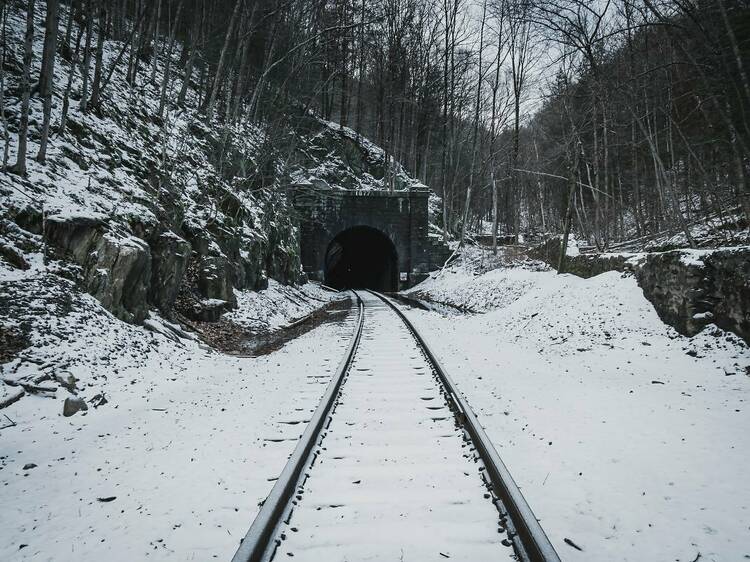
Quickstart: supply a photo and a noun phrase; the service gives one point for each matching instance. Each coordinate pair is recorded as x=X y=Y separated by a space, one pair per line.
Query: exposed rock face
x=582 y=265
x=118 y=273
x=730 y=283
x=29 y=218
x=690 y=290
x=235 y=253
x=75 y=236
x=215 y=279
x=170 y=255
x=13 y=257
x=127 y=274
x=116 y=268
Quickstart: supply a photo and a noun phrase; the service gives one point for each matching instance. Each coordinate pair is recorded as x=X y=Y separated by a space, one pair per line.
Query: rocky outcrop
x=29 y=218
x=690 y=289
x=729 y=272
x=118 y=269
x=581 y=265
x=118 y=274
x=74 y=236
x=170 y=255
x=128 y=273
x=215 y=280
x=12 y=256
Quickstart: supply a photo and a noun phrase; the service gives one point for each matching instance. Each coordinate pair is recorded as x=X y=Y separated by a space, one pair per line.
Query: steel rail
x=259 y=544
x=529 y=539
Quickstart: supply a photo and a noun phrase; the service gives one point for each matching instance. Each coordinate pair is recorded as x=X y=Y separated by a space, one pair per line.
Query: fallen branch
x=12 y=398
x=30 y=387
x=11 y=424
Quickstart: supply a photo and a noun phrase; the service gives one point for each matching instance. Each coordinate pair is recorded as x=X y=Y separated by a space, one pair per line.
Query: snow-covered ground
x=479 y=281
x=277 y=306
x=179 y=442
x=627 y=438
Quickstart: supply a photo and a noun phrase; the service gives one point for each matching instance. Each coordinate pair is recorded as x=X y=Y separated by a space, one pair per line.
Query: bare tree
x=3 y=35
x=87 y=56
x=219 y=76
x=23 y=126
x=98 y=65
x=47 y=74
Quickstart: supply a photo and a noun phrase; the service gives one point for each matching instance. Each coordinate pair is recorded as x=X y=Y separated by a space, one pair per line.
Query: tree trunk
x=469 y=187
x=361 y=76
x=220 y=68
x=86 y=57
x=69 y=85
x=96 y=87
x=69 y=29
x=168 y=63
x=23 y=126
x=3 y=35
x=154 y=41
x=568 y=215
x=194 y=38
x=47 y=74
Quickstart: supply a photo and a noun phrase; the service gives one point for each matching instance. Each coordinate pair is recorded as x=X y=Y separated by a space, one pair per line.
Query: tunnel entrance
x=362 y=258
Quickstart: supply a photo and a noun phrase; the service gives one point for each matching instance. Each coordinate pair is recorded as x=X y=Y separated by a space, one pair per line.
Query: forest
x=613 y=119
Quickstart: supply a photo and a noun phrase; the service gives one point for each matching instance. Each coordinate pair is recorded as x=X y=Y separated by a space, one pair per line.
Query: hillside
x=159 y=215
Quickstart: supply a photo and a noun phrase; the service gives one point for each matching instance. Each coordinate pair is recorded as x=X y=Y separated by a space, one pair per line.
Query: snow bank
x=625 y=437
x=479 y=281
x=277 y=306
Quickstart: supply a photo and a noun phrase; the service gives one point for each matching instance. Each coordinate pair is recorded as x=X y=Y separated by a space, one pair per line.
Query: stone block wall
x=400 y=215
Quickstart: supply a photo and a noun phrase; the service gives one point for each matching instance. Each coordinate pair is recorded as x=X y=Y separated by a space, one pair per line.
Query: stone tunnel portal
x=370 y=238
x=362 y=257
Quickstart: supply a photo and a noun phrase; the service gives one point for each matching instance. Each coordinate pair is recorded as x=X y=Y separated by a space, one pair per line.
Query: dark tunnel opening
x=362 y=258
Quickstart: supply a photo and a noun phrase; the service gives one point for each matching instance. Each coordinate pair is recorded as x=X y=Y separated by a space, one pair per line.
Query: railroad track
x=394 y=465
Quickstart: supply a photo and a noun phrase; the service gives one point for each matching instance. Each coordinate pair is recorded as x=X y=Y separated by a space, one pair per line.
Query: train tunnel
x=362 y=258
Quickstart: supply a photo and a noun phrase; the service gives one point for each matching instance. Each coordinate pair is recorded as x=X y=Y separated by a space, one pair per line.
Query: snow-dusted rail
x=529 y=539
x=402 y=471
x=259 y=542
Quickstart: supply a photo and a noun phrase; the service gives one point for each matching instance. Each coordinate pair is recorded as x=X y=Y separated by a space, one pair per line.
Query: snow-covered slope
x=155 y=208
x=626 y=437
x=178 y=446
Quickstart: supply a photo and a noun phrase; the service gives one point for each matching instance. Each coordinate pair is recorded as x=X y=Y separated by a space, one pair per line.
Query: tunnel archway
x=362 y=257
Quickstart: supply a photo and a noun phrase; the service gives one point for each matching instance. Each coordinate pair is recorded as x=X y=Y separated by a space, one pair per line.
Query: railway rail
x=394 y=465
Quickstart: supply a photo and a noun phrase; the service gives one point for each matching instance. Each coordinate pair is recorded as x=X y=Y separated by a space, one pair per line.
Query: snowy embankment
x=277 y=306
x=179 y=443
x=626 y=438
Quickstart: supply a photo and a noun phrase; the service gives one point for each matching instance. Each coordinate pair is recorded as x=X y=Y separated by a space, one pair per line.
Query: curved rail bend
x=259 y=544
x=530 y=540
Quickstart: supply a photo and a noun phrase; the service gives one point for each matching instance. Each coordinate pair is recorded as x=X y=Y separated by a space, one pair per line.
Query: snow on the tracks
x=395 y=479
x=627 y=438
